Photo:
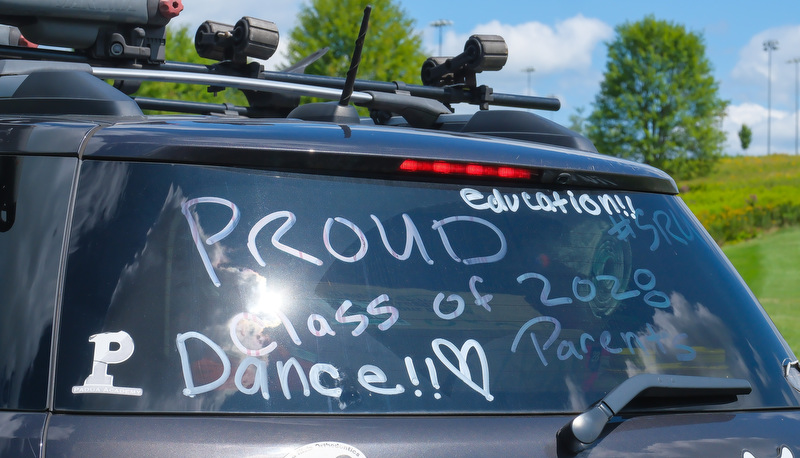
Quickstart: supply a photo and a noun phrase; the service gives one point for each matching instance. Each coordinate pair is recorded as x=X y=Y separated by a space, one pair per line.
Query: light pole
x=529 y=70
x=440 y=24
x=769 y=46
x=796 y=61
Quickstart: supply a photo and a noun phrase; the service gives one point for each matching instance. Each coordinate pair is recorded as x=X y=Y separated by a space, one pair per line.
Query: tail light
x=469 y=169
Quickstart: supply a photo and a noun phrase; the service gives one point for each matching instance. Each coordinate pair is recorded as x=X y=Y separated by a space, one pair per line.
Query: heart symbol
x=462 y=371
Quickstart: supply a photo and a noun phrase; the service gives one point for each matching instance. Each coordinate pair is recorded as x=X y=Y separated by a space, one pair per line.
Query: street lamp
x=529 y=70
x=769 y=46
x=440 y=24
x=796 y=61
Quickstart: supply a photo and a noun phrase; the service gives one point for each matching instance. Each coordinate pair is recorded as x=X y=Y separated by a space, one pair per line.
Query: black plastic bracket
x=250 y=37
x=481 y=53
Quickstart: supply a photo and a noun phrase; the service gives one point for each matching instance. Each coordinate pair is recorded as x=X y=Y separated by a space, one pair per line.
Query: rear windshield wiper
x=582 y=431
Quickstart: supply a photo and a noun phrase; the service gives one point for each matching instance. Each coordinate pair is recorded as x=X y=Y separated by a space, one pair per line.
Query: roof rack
x=107 y=29
x=127 y=47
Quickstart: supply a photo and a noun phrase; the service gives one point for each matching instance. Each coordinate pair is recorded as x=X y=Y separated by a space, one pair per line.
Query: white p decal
x=104 y=355
x=99 y=381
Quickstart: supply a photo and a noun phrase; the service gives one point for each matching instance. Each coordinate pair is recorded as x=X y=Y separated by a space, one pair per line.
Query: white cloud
x=746 y=113
x=782 y=129
x=750 y=73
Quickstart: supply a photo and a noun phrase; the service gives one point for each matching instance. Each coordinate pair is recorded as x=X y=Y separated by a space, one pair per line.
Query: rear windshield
x=208 y=289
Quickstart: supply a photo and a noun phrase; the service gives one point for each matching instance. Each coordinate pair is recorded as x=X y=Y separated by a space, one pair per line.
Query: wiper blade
x=582 y=431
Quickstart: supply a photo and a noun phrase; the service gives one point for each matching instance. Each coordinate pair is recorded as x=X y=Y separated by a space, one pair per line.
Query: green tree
x=577 y=121
x=745 y=136
x=658 y=102
x=392 y=49
x=180 y=48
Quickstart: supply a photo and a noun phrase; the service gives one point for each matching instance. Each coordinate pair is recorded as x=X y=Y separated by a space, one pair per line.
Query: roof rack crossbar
x=202 y=108
x=450 y=94
x=225 y=80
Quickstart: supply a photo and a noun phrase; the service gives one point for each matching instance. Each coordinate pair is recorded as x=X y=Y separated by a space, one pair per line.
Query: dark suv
x=294 y=280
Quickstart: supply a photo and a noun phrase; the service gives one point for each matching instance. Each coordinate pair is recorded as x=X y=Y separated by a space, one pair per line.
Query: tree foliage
x=392 y=49
x=577 y=121
x=658 y=102
x=180 y=47
x=745 y=136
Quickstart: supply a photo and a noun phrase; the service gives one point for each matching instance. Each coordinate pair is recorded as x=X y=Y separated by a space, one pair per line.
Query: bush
x=745 y=196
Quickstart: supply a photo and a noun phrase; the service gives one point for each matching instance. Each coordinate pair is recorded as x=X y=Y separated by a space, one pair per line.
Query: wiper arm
x=582 y=431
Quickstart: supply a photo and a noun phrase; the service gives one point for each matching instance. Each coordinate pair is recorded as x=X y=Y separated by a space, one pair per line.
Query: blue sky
x=565 y=43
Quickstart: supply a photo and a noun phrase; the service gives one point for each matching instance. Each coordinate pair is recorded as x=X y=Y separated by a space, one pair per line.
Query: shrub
x=745 y=196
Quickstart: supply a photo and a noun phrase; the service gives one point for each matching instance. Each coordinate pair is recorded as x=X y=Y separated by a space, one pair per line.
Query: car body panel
x=43 y=136
x=673 y=435
x=32 y=234
x=22 y=433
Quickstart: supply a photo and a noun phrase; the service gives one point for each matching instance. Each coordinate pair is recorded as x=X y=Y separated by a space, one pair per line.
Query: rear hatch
x=463 y=306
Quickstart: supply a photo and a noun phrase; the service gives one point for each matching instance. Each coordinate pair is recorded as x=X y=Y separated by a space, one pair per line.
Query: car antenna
x=341 y=112
x=350 y=81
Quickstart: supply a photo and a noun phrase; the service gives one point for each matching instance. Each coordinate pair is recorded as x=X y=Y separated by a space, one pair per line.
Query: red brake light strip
x=455 y=168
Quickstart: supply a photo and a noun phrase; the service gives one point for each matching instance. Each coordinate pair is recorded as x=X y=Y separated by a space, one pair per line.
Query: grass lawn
x=769 y=265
